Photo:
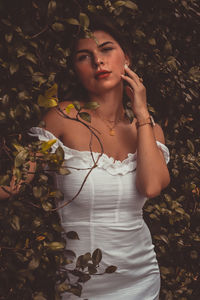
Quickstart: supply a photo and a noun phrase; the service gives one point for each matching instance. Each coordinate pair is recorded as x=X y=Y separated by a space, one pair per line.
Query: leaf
x=32 y=58
x=14 y=67
x=47 y=102
x=119 y=3
x=152 y=41
x=47 y=206
x=91 y=105
x=18 y=147
x=72 y=235
x=69 y=107
x=15 y=223
x=85 y=116
x=77 y=105
x=57 y=26
x=111 y=269
x=63 y=287
x=37 y=191
x=64 y=171
x=21 y=158
x=8 y=37
x=191 y=146
x=39 y=296
x=96 y=256
x=84 y=20
x=60 y=153
x=76 y=291
x=131 y=5
x=52 y=91
x=34 y=263
x=54 y=246
x=72 y=21
x=47 y=145
x=92 y=269
x=4 y=180
x=51 y=7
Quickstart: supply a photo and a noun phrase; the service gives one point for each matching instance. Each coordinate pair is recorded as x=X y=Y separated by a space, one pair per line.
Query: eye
x=83 y=57
x=106 y=49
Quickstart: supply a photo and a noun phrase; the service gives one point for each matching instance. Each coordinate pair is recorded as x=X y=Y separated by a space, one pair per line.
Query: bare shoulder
x=54 y=119
x=158 y=133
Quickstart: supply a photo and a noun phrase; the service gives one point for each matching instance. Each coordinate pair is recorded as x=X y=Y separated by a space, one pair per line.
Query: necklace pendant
x=112 y=132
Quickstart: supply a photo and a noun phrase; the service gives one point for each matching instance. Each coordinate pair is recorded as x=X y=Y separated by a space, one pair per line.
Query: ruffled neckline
x=112 y=166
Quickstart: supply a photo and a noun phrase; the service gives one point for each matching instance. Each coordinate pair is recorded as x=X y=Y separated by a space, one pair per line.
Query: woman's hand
x=136 y=91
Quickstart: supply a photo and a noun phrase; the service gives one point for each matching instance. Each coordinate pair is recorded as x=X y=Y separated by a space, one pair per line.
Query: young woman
x=107 y=214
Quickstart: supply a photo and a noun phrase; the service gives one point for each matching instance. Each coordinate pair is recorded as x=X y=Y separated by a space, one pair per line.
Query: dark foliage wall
x=35 y=45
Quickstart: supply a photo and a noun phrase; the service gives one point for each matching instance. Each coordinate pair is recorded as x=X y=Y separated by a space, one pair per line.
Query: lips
x=102 y=74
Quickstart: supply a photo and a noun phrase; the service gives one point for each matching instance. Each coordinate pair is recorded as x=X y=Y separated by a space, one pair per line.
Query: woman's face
x=99 y=62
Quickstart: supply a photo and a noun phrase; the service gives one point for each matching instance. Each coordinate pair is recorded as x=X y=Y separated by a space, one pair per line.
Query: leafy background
x=34 y=54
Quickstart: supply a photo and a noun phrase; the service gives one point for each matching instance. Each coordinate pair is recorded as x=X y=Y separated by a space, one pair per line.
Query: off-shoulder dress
x=107 y=214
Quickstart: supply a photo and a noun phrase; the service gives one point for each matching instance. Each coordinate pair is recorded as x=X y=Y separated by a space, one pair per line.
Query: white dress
x=107 y=214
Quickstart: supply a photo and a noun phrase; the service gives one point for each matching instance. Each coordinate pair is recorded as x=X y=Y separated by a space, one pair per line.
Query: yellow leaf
x=47 y=102
x=69 y=107
x=52 y=91
x=47 y=145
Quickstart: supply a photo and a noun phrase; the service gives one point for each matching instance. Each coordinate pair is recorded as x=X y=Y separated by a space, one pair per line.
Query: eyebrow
x=99 y=46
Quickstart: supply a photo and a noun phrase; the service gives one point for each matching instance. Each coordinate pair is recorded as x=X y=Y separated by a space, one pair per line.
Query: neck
x=111 y=106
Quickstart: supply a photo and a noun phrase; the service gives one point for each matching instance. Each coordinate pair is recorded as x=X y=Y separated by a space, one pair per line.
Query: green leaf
x=14 y=67
x=63 y=287
x=85 y=116
x=32 y=58
x=119 y=3
x=34 y=263
x=57 y=26
x=15 y=223
x=91 y=105
x=77 y=105
x=72 y=21
x=191 y=146
x=92 y=269
x=72 y=235
x=84 y=20
x=51 y=7
x=37 y=191
x=8 y=37
x=64 y=171
x=55 y=246
x=76 y=291
x=47 y=206
x=60 y=153
x=96 y=256
x=111 y=269
x=131 y=5
x=4 y=180
x=21 y=158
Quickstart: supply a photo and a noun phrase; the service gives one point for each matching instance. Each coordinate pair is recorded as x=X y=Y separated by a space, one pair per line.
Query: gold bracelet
x=146 y=121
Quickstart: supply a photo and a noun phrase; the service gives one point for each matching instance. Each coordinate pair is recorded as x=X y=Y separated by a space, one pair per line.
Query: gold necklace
x=111 y=128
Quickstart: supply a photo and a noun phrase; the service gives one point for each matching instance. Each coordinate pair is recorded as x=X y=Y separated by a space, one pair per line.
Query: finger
x=129 y=92
x=133 y=75
x=131 y=81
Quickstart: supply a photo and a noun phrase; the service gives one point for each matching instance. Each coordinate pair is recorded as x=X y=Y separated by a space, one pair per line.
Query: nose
x=97 y=60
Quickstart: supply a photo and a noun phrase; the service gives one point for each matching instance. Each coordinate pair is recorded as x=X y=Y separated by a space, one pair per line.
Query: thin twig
x=95 y=162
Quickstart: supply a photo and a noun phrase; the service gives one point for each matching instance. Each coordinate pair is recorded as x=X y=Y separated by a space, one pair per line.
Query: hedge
x=34 y=56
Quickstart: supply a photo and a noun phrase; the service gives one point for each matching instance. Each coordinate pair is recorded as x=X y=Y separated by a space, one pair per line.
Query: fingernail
x=125 y=66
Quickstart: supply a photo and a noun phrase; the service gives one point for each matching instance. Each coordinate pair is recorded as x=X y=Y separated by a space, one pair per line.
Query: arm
x=13 y=188
x=152 y=173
